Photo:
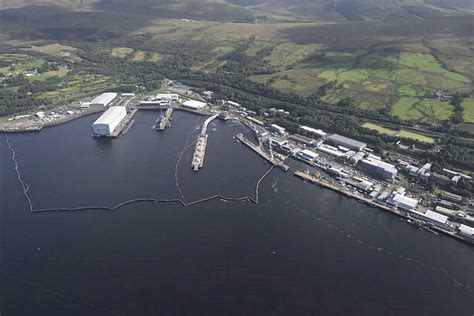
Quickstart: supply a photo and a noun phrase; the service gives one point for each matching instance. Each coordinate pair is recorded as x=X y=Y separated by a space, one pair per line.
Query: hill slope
x=249 y=10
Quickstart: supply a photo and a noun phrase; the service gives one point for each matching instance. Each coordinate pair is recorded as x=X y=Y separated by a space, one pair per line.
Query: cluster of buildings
x=340 y=147
x=424 y=172
x=164 y=100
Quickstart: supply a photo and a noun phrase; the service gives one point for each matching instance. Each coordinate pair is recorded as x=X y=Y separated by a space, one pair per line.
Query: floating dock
x=258 y=149
x=163 y=121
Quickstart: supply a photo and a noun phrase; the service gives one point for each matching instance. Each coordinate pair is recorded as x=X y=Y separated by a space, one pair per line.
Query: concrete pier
x=200 y=150
x=258 y=149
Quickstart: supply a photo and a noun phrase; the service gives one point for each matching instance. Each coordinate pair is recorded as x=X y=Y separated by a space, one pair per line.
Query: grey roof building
x=346 y=142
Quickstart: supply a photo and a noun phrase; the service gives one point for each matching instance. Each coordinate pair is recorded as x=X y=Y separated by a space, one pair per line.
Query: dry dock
x=261 y=152
x=124 y=124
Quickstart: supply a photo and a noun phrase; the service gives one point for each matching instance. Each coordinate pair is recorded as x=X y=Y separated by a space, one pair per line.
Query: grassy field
x=468 y=110
x=79 y=83
x=401 y=133
x=49 y=74
x=155 y=57
x=223 y=50
x=19 y=63
x=122 y=52
x=426 y=110
x=139 y=56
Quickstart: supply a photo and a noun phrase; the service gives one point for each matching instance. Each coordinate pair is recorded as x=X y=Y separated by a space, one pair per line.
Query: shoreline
x=313 y=180
x=38 y=128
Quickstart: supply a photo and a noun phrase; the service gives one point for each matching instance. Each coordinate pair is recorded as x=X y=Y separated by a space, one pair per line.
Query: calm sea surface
x=302 y=250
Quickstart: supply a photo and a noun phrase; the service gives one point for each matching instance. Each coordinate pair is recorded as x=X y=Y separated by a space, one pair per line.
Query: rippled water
x=301 y=250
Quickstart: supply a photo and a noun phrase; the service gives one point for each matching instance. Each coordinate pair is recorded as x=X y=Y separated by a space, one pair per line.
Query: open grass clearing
x=223 y=50
x=139 y=56
x=50 y=74
x=468 y=110
x=122 y=52
x=155 y=57
x=401 y=133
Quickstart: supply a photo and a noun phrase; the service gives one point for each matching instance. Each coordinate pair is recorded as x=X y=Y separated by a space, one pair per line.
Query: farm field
x=426 y=110
x=78 y=84
x=401 y=133
x=122 y=52
x=468 y=110
x=18 y=63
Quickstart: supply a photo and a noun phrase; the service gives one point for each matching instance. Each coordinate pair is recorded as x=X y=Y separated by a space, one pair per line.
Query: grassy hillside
x=390 y=67
x=249 y=10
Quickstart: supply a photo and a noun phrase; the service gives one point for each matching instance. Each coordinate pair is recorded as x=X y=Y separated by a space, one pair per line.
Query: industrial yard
x=333 y=161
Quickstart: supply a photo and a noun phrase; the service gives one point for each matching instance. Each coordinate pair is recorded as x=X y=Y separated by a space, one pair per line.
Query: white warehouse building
x=194 y=105
x=104 y=99
x=109 y=121
x=403 y=202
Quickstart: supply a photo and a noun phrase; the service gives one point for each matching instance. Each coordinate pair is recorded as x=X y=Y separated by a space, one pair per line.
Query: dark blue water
x=301 y=250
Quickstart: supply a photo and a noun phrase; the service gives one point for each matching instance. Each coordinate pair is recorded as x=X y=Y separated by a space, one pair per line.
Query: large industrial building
x=307 y=155
x=403 y=202
x=349 y=143
x=104 y=99
x=107 y=122
x=383 y=169
x=467 y=231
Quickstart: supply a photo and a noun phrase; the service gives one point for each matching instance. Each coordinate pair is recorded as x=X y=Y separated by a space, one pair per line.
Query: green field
x=19 y=63
x=223 y=50
x=468 y=110
x=78 y=84
x=401 y=133
x=50 y=74
x=425 y=110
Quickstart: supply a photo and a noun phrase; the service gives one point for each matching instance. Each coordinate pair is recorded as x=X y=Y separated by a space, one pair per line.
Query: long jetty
x=201 y=144
x=305 y=175
x=261 y=152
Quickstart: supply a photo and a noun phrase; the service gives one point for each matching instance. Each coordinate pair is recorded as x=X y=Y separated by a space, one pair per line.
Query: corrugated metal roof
x=194 y=104
x=437 y=217
x=112 y=113
x=346 y=141
x=466 y=230
x=104 y=98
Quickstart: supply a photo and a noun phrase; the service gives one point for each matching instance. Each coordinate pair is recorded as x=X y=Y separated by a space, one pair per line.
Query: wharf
x=124 y=124
x=305 y=175
x=37 y=127
x=261 y=152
